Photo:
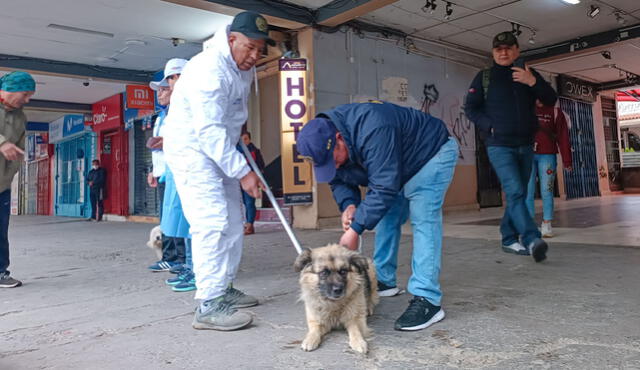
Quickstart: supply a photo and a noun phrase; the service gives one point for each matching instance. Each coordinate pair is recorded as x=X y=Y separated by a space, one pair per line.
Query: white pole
x=273 y=200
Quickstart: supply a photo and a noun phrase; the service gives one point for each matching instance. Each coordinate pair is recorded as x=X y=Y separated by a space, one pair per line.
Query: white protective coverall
x=208 y=109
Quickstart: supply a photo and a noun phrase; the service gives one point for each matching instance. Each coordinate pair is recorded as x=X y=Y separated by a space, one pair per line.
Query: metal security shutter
x=583 y=180
x=145 y=202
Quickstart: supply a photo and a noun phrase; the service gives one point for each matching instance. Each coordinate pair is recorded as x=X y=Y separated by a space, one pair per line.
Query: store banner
x=575 y=88
x=296 y=172
x=107 y=113
x=131 y=115
x=65 y=127
x=139 y=97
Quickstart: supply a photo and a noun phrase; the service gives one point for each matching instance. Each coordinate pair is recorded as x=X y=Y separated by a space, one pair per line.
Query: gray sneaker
x=238 y=299
x=220 y=315
x=6 y=281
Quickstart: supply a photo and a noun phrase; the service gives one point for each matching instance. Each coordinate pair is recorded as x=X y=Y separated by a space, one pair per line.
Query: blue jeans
x=249 y=207
x=421 y=199
x=187 y=253
x=513 y=167
x=544 y=165
x=5 y=212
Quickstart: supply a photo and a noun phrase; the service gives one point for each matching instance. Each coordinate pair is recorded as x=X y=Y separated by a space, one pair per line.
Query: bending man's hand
x=350 y=239
x=347 y=217
x=10 y=151
x=524 y=76
x=252 y=185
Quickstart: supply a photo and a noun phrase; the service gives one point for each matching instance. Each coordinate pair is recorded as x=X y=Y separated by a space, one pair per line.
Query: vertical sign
x=296 y=172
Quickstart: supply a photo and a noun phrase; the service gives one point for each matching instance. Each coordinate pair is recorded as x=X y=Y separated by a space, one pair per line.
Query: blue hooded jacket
x=388 y=145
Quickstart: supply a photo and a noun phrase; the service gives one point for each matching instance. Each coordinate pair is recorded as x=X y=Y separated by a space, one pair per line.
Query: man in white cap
x=208 y=109
x=172 y=248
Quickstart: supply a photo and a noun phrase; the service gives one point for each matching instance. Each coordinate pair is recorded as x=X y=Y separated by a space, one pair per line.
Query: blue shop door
x=71 y=169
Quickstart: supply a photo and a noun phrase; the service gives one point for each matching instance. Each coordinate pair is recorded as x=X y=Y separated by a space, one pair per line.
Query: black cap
x=505 y=38
x=252 y=25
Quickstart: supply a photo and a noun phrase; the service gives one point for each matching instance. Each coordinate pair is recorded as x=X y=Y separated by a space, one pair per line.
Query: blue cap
x=316 y=141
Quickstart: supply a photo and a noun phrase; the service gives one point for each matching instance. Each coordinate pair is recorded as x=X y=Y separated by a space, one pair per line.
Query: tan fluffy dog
x=155 y=241
x=339 y=287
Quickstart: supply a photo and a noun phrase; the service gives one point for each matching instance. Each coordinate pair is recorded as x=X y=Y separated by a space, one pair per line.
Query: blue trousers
x=544 y=165
x=513 y=167
x=421 y=199
x=5 y=212
x=249 y=207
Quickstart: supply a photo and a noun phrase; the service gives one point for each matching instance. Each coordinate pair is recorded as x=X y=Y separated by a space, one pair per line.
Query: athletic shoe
x=162 y=266
x=238 y=299
x=6 y=281
x=419 y=315
x=186 y=285
x=178 y=269
x=186 y=274
x=219 y=314
x=386 y=290
x=538 y=250
x=546 y=230
x=516 y=248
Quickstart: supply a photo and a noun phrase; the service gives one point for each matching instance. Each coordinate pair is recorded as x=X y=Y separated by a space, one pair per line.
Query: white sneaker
x=516 y=248
x=546 y=230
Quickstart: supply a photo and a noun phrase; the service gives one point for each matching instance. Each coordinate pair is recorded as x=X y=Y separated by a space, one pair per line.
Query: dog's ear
x=303 y=260
x=359 y=262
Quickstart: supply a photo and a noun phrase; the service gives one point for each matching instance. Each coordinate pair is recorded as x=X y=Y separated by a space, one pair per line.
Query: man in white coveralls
x=208 y=109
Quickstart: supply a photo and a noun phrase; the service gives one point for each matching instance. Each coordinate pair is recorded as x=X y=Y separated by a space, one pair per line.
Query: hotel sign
x=296 y=172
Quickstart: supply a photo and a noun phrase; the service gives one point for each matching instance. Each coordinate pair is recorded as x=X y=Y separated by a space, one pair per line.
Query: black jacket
x=97 y=178
x=508 y=116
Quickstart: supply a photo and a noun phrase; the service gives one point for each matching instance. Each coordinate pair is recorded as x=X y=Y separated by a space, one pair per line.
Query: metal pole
x=275 y=204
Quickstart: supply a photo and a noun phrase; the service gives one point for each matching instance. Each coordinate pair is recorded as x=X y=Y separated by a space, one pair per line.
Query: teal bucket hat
x=17 y=81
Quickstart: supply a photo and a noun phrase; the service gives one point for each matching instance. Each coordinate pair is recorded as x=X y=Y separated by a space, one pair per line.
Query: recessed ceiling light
x=594 y=11
x=79 y=30
x=106 y=59
x=572 y=2
x=135 y=42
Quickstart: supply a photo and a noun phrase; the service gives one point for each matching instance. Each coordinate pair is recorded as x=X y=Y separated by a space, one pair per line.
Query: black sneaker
x=539 y=249
x=386 y=290
x=419 y=315
x=6 y=281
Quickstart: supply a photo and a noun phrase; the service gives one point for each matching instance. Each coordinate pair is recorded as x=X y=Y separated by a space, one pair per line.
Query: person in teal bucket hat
x=16 y=88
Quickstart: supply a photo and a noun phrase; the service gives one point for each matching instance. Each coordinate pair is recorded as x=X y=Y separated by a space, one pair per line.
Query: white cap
x=173 y=67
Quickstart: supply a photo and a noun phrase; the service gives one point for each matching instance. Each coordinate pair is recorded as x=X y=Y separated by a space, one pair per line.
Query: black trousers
x=173 y=249
x=5 y=212
x=97 y=204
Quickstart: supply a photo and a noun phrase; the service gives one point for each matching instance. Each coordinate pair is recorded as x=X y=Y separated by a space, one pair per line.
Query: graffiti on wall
x=449 y=108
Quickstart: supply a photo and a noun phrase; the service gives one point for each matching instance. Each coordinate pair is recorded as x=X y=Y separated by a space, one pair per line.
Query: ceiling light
x=427 y=6
x=621 y=21
x=106 y=59
x=135 y=42
x=532 y=38
x=572 y=2
x=79 y=30
x=606 y=54
x=594 y=11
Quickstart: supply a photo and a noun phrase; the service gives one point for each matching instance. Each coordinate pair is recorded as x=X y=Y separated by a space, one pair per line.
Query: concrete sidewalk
x=88 y=302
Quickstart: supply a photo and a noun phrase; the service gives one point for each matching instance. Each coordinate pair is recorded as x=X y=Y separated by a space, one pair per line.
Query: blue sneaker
x=178 y=269
x=162 y=266
x=187 y=285
x=185 y=274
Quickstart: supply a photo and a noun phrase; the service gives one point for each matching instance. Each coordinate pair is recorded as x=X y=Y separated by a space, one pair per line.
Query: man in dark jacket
x=96 y=178
x=406 y=159
x=248 y=200
x=502 y=104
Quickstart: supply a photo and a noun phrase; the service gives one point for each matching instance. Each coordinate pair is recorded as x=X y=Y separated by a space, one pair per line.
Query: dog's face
x=333 y=271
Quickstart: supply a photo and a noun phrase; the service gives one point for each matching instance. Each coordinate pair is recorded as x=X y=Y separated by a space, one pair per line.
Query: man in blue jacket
x=502 y=104
x=407 y=160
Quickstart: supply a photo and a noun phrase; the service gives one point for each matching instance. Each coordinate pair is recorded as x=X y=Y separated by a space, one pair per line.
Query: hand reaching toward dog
x=11 y=151
x=350 y=239
x=347 y=217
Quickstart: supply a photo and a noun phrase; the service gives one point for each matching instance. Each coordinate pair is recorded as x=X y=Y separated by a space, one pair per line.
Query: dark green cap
x=252 y=25
x=505 y=38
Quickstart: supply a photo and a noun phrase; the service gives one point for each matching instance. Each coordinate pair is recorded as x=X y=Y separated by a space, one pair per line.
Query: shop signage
x=66 y=127
x=576 y=88
x=107 y=113
x=296 y=172
x=134 y=114
x=139 y=97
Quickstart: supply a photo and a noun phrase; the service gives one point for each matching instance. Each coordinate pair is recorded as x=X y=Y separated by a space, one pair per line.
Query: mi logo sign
x=139 y=97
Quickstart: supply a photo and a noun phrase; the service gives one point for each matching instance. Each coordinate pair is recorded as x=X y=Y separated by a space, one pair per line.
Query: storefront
x=628 y=103
x=113 y=153
x=74 y=148
x=37 y=178
x=139 y=116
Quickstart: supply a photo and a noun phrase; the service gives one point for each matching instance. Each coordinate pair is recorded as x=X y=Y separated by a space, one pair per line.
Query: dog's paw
x=359 y=345
x=310 y=343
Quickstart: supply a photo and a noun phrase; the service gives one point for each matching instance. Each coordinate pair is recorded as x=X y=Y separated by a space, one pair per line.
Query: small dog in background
x=339 y=287
x=155 y=241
